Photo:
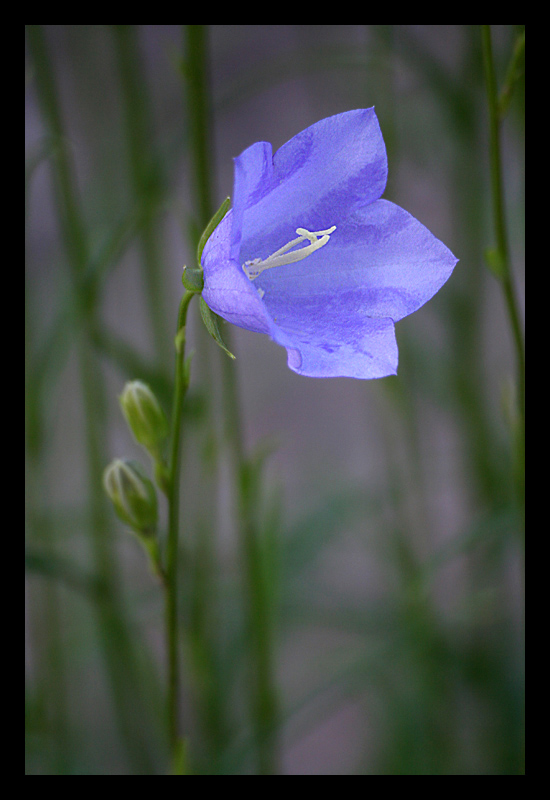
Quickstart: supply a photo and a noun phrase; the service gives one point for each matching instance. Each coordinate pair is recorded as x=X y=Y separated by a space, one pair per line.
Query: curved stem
x=171 y=583
x=499 y=217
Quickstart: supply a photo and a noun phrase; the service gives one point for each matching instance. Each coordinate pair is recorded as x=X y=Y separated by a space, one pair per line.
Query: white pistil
x=282 y=256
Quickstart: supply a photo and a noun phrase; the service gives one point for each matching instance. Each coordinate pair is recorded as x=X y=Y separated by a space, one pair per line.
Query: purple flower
x=311 y=255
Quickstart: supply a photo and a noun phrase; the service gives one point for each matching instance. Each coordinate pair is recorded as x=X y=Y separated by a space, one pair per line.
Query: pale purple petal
x=339 y=346
x=227 y=290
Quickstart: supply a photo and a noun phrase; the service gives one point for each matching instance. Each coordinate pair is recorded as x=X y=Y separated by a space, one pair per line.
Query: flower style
x=310 y=255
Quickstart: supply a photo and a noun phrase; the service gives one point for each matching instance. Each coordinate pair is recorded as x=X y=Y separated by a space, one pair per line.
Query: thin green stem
x=200 y=135
x=171 y=586
x=500 y=226
x=262 y=686
x=145 y=176
x=213 y=698
x=497 y=107
x=199 y=116
x=263 y=693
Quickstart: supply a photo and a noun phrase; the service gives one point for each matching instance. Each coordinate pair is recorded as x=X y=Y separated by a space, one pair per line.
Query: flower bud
x=145 y=417
x=133 y=495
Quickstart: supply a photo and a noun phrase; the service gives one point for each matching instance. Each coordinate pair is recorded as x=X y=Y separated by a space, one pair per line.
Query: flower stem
x=263 y=692
x=171 y=582
x=261 y=688
x=198 y=110
x=499 y=218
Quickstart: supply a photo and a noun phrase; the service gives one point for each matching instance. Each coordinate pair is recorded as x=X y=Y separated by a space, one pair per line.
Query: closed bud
x=133 y=495
x=145 y=417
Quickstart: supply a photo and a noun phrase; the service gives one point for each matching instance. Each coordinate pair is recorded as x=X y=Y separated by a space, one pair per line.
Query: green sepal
x=210 y=320
x=193 y=279
x=211 y=227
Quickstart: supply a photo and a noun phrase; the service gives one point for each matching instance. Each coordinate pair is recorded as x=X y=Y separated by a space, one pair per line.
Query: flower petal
x=253 y=171
x=273 y=196
x=380 y=262
x=227 y=290
x=324 y=336
x=321 y=174
x=341 y=347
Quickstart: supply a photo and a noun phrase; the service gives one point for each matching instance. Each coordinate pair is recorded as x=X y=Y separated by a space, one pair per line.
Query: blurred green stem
x=201 y=169
x=113 y=629
x=263 y=693
x=262 y=688
x=499 y=217
x=180 y=390
x=145 y=177
x=199 y=121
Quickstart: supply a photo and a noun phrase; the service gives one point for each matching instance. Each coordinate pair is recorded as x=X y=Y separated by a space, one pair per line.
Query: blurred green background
x=388 y=514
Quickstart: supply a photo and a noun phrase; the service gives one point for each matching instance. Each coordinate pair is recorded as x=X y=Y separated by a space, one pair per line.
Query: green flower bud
x=133 y=495
x=145 y=417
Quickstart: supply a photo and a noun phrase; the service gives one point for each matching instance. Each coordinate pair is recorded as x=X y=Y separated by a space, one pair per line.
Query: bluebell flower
x=310 y=255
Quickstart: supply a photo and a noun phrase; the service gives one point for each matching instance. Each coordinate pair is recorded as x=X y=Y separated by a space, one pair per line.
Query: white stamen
x=282 y=256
